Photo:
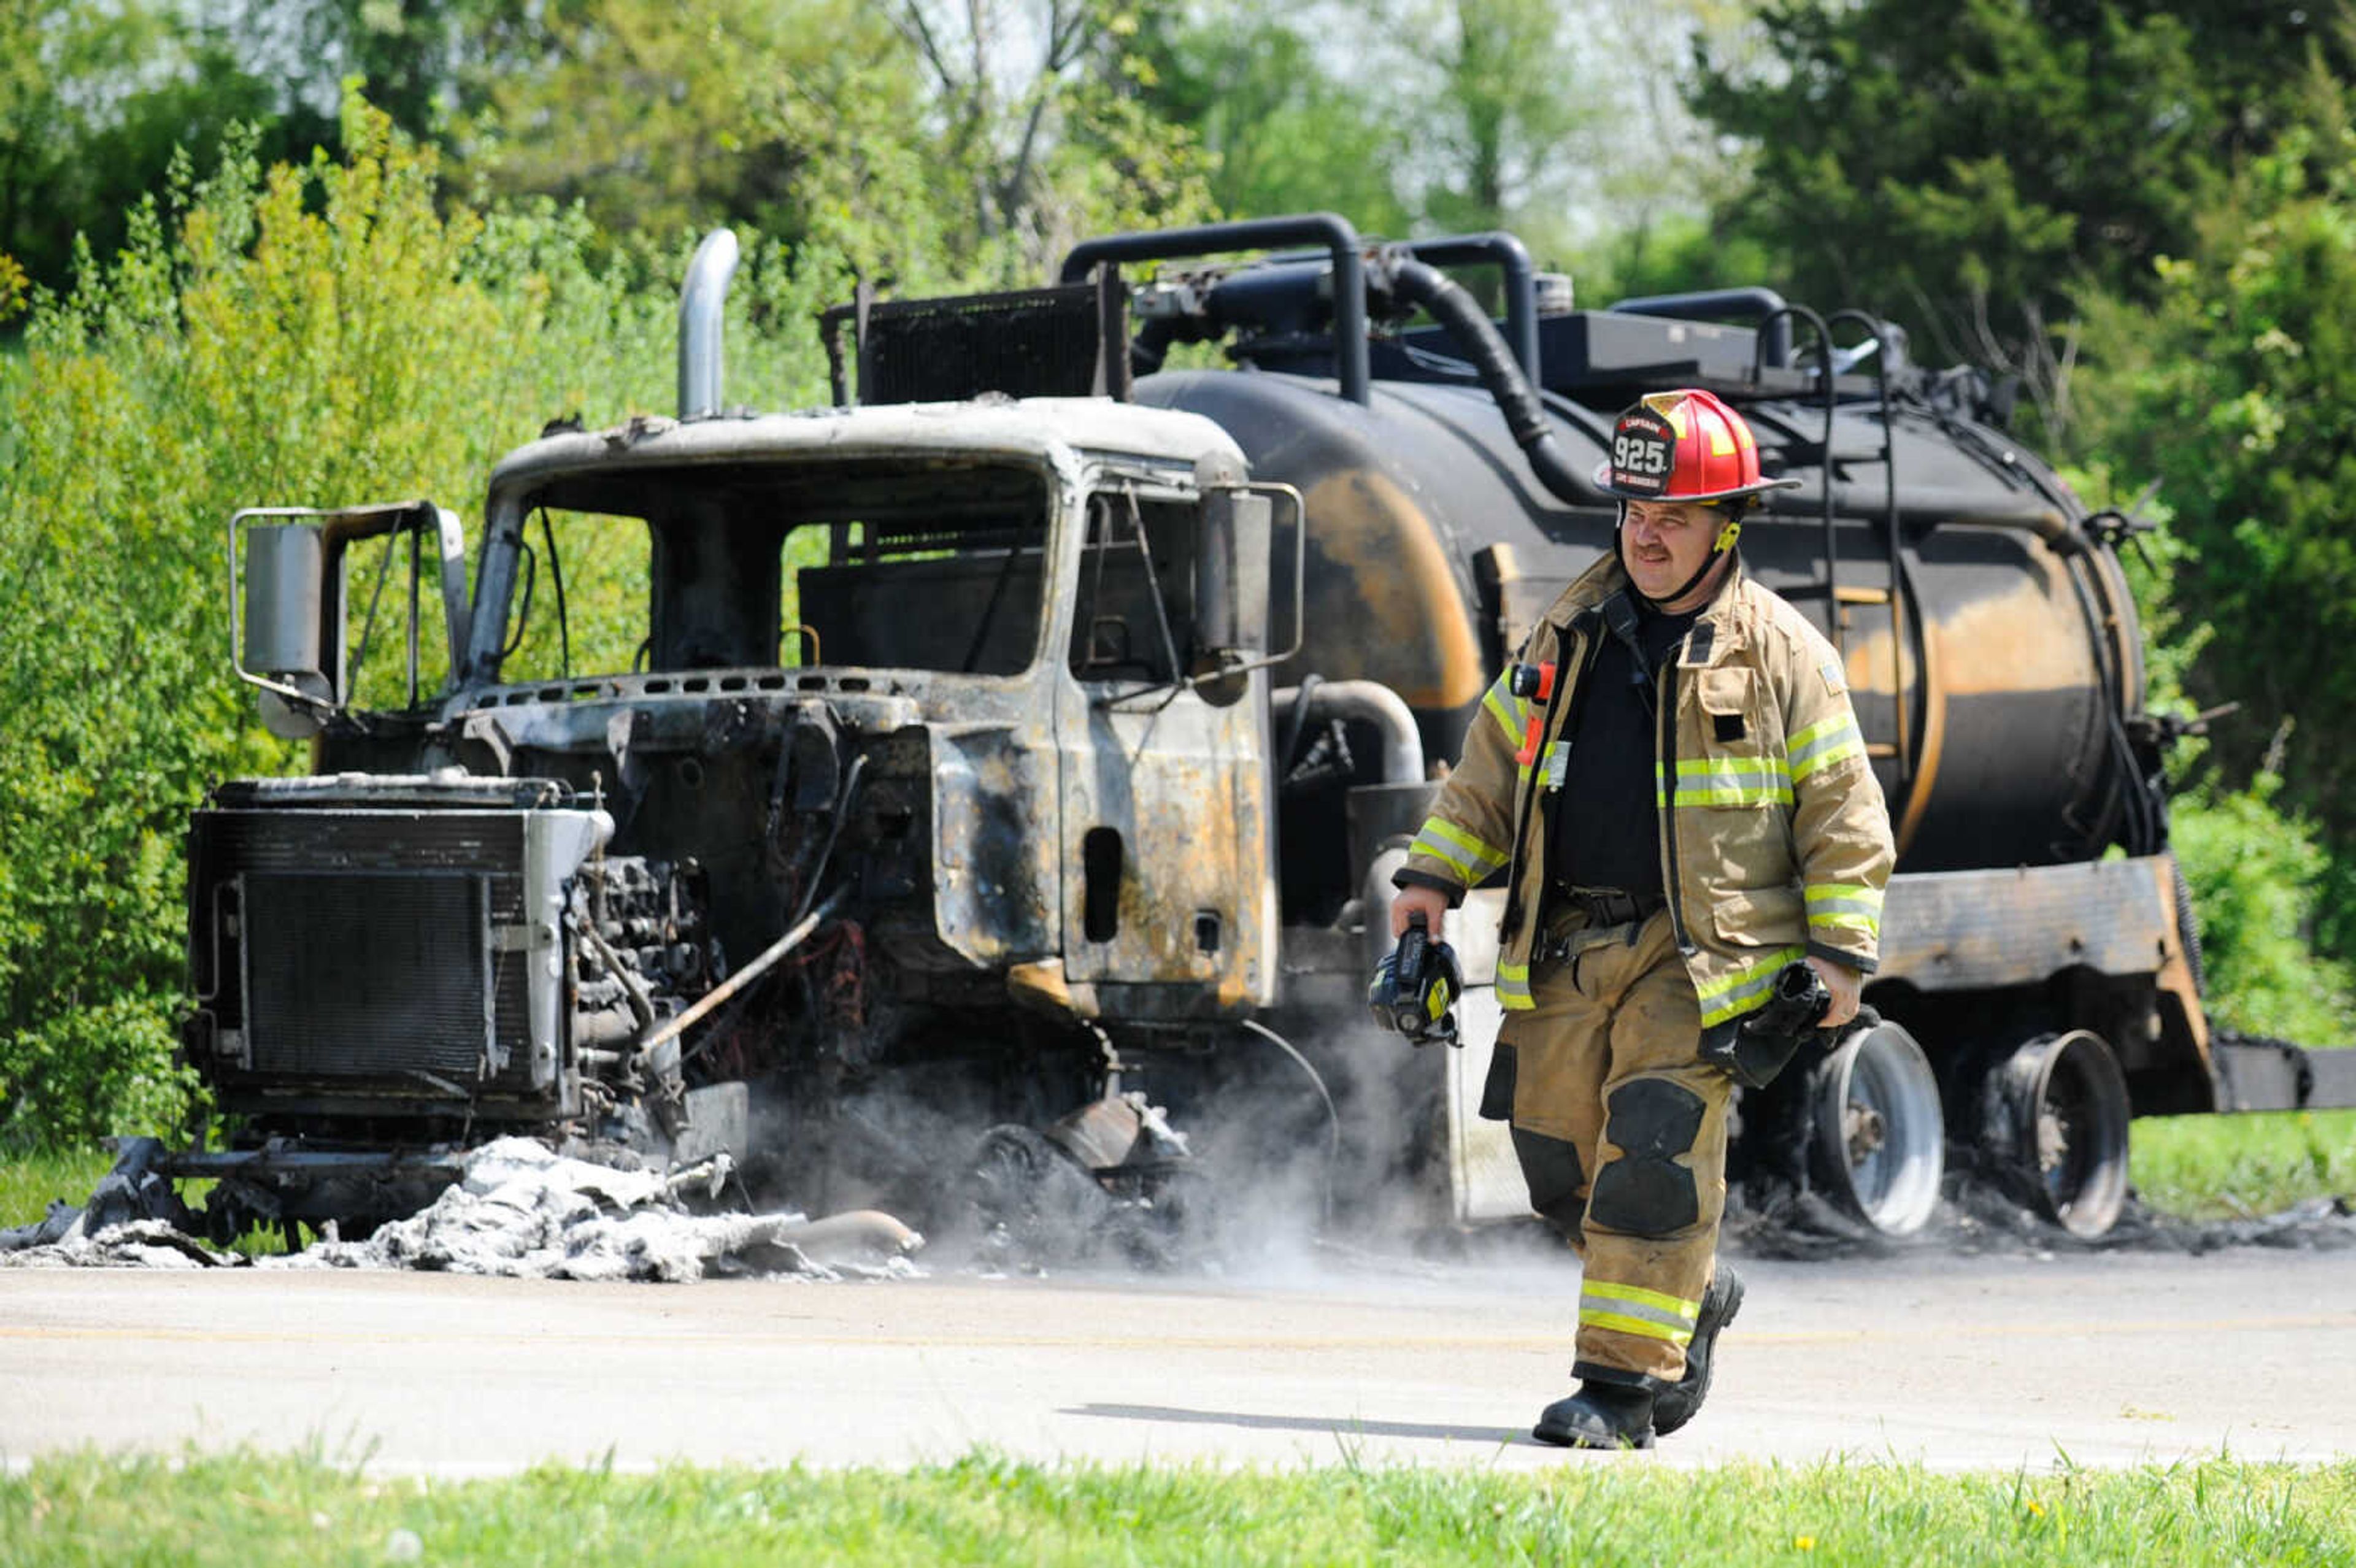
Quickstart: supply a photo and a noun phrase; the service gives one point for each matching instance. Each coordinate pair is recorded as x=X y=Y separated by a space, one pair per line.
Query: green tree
x=798 y=120
x=419 y=61
x=1969 y=169
x=93 y=102
x=2233 y=389
x=2257 y=874
x=2260 y=870
x=1563 y=121
x=1504 y=116
x=1284 y=133
x=1670 y=252
x=311 y=334
x=1441 y=115
x=1044 y=117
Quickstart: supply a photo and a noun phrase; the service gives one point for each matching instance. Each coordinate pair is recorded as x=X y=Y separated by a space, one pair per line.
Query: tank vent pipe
x=1492 y=361
x=702 y=304
x=1376 y=704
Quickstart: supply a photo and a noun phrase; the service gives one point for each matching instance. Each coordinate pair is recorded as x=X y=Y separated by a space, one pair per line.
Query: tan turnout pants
x=1621 y=1129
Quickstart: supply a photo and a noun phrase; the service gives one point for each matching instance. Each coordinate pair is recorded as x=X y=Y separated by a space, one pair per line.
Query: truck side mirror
x=1231 y=571
x=285 y=593
x=1238 y=574
x=289 y=639
x=282 y=592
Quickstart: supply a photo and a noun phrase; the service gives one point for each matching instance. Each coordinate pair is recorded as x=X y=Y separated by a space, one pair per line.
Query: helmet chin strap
x=1727 y=535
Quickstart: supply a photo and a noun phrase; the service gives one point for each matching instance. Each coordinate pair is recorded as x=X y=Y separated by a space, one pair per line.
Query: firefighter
x=1674 y=784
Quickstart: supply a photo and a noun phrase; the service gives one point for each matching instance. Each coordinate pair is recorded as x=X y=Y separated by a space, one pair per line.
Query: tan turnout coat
x=1774 y=838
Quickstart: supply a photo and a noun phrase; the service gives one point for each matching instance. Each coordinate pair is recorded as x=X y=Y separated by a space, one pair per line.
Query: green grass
x=248 y=1509
x=28 y=1181
x=2210 y=1167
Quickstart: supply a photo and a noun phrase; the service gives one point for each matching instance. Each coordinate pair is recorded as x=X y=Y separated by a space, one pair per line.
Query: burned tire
x=1024 y=1185
x=2054 y=1118
x=1876 y=1138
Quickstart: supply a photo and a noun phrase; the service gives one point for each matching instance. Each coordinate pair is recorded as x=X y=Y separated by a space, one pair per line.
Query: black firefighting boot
x=1678 y=1404
x=1600 y=1416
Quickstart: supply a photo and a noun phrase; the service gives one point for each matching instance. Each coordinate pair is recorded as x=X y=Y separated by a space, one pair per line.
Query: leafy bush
x=2256 y=870
x=326 y=334
x=2259 y=869
x=2233 y=390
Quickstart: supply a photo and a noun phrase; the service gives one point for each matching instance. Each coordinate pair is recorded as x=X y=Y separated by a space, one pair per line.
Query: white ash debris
x=521 y=1211
x=137 y=1243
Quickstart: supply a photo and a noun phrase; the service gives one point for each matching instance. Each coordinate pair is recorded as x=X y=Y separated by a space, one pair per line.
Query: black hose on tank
x=1149 y=345
x=1485 y=350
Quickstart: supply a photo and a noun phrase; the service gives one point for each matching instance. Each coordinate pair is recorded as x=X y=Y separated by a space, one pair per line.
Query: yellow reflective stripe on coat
x=1513 y=986
x=1511 y=713
x=1823 y=743
x=1544 y=763
x=1726 y=781
x=1732 y=996
x=1846 y=905
x=1633 y=1310
x=1473 y=859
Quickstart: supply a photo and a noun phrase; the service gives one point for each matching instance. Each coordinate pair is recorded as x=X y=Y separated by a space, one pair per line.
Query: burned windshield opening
x=933 y=565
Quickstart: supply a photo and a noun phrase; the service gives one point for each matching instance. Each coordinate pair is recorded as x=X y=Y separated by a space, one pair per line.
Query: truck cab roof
x=1060 y=431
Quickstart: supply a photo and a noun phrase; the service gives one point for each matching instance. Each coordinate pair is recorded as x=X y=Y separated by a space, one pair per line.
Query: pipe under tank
x=1371 y=702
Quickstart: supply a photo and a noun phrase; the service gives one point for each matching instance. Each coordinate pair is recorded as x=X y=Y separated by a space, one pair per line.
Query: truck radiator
x=382 y=952
x=380 y=974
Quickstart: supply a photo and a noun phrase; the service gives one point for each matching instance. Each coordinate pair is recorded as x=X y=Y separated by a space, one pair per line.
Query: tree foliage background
x=315 y=250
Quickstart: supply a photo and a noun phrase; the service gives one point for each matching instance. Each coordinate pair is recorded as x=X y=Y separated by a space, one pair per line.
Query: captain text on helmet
x=1672 y=787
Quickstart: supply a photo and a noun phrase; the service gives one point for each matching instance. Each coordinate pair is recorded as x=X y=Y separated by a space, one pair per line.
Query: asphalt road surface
x=1954 y=1361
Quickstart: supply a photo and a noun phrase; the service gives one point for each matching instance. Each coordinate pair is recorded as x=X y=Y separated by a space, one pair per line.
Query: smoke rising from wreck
x=1263 y=1196
x=1297 y=1147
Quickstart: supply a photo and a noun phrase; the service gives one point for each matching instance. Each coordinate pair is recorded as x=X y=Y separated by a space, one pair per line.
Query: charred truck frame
x=993 y=798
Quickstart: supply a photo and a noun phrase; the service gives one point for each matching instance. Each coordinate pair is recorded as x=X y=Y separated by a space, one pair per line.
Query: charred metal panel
x=1071 y=341
x=715 y=767
x=2015 y=754
x=2275 y=1075
x=1955 y=930
x=1184 y=785
x=915 y=614
x=1167 y=884
x=923 y=444
x=997 y=876
x=953 y=828
x=715 y=603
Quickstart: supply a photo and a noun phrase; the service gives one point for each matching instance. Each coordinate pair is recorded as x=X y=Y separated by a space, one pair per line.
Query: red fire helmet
x=1685 y=446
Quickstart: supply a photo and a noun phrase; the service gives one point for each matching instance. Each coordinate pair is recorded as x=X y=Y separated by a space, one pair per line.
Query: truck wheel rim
x=1880 y=1138
x=2067 y=1107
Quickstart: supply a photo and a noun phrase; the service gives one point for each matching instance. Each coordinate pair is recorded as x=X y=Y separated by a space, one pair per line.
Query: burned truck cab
x=920 y=753
x=928 y=617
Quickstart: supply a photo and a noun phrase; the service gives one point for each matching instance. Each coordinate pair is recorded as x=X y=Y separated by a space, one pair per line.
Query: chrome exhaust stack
x=703 y=319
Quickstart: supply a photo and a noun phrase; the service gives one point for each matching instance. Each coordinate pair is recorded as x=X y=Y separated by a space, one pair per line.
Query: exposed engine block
x=435 y=949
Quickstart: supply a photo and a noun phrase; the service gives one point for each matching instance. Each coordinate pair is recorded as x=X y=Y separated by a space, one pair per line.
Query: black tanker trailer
x=992 y=802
